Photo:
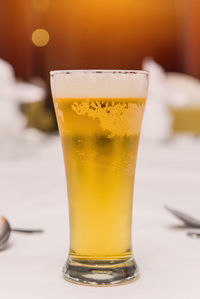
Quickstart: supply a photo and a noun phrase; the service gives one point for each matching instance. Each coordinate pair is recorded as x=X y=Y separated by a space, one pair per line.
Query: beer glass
x=99 y=115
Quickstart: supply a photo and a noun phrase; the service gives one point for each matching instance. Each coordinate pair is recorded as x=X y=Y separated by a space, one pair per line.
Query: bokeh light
x=40 y=37
x=40 y=5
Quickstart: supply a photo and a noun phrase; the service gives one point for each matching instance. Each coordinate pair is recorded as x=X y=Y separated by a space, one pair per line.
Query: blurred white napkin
x=166 y=90
x=13 y=136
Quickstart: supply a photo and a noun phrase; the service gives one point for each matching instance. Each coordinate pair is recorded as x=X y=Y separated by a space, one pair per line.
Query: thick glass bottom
x=97 y=273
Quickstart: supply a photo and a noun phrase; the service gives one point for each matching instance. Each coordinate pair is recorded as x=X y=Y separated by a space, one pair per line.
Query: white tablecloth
x=33 y=194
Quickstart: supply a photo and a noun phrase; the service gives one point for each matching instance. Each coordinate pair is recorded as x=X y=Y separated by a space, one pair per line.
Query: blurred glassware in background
x=173 y=105
x=172 y=110
x=14 y=139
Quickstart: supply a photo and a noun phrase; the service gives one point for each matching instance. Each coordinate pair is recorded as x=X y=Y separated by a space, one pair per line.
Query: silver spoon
x=193 y=235
x=5 y=230
x=188 y=220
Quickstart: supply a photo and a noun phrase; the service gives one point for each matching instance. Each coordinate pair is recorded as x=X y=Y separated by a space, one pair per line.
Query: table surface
x=33 y=194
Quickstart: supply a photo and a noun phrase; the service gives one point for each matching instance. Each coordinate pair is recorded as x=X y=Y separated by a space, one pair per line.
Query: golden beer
x=100 y=138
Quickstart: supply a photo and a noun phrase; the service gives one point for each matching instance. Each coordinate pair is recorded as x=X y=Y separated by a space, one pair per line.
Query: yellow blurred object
x=39 y=116
x=40 y=5
x=186 y=119
x=40 y=37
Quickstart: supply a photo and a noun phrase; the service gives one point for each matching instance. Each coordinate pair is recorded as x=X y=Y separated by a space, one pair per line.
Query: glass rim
x=99 y=71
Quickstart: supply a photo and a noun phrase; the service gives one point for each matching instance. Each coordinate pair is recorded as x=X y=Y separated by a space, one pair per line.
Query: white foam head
x=99 y=84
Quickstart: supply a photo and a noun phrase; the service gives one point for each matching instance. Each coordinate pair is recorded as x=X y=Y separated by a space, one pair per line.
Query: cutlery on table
x=187 y=219
x=193 y=235
x=5 y=230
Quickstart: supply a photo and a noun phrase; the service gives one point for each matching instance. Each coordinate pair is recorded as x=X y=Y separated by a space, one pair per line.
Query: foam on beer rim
x=99 y=84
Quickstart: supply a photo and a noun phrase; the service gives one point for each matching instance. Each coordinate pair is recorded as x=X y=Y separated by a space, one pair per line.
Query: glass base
x=97 y=273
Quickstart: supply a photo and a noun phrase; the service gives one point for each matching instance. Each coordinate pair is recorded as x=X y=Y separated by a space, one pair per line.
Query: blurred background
x=37 y=36
x=40 y=35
